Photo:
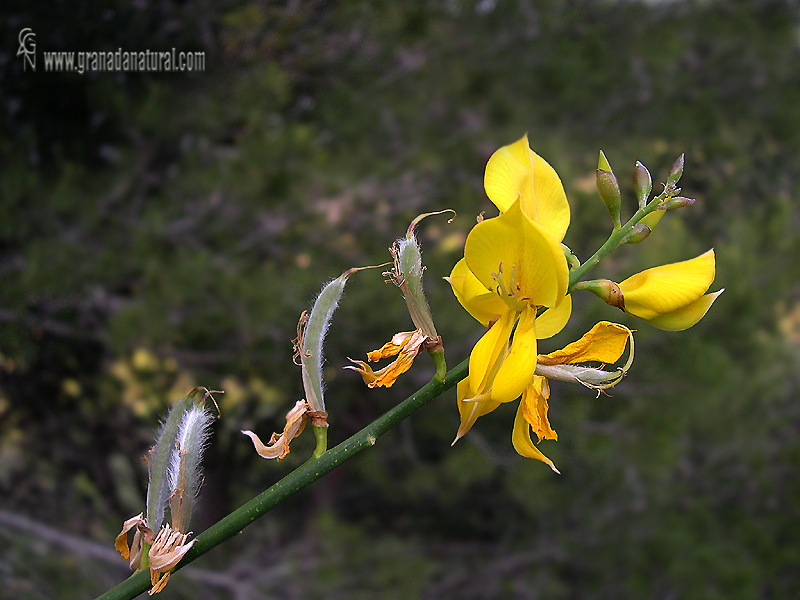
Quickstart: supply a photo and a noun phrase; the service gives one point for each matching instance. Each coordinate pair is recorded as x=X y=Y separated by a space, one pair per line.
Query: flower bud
x=608 y=188
x=676 y=171
x=605 y=289
x=676 y=202
x=643 y=183
x=652 y=219
x=672 y=296
x=639 y=232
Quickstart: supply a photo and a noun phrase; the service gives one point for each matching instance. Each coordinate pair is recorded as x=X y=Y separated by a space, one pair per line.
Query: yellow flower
x=525 y=268
x=516 y=172
x=513 y=266
x=671 y=296
x=605 y=344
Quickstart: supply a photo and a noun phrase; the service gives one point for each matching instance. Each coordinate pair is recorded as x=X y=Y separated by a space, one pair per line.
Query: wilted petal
x=132 y=554
x=516 y=172
x=533 y=266
x=278 y=446
x=521 y=439
x=386 y=376
x=167 y=550
x=535 y=406
x=604 y=343
x=519 y=366
x=685 y=317
x=392 y=347
x=667 y=288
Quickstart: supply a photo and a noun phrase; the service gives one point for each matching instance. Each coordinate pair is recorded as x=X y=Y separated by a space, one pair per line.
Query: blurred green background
x=164 y=230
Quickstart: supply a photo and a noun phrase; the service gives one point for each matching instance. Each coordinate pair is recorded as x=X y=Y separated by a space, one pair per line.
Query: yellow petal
x=533 y=266
x=667 y=288
x=386 y=376
x=484 y=305
x=521 y=438
x=685 y=317
x=392 y=347
x=553 y=320
x=534 y=408
x=519 y=366
x=516 y=172
x=605 y=343
x=487 y=354
x=653 y=218
x=470 y=411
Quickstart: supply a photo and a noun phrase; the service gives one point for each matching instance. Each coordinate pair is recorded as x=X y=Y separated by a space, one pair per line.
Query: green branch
x=616 y=238
x=295 y=481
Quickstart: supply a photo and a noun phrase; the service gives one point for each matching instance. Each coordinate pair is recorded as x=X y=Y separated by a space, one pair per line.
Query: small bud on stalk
x=676 y=202
x=639 y=233
x=605 y=289
x=643 y=183
x=676 y=171
x=608 y=188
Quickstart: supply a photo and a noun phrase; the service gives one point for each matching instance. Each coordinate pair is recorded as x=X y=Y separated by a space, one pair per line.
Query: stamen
x=509 y=298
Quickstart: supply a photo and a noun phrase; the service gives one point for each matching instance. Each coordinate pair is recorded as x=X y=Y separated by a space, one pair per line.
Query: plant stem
x=441 y=365
x=615 y=239
x=307 y=473
x=321 y=433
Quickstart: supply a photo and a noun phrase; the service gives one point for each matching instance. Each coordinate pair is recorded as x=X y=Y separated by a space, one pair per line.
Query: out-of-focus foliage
x=161 y=231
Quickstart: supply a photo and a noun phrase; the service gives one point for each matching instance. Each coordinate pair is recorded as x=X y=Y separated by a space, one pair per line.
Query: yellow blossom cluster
x=514 y=279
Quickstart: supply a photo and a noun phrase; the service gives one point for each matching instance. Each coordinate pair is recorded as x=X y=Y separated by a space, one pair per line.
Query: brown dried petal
x=278 y=446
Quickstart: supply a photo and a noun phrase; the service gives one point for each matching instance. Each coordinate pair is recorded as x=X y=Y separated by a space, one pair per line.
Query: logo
x=27 y=47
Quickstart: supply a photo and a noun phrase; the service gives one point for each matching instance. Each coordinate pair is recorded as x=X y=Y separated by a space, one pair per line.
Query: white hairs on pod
x=313 y=336
x=185 y=472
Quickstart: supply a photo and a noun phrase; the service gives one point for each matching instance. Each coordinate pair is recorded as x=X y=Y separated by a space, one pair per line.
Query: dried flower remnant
x=406 y=274
x=169 y=547
x=311 y=330
x=278 y=445
x=174 y=465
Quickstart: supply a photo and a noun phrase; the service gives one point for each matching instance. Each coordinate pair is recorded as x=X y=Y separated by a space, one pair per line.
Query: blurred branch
x=47 y=325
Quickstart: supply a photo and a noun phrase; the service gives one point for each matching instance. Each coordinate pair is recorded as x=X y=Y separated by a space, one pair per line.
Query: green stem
x=615 y=239
x=321 y=433
x=441 y=365
x=307 y=473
